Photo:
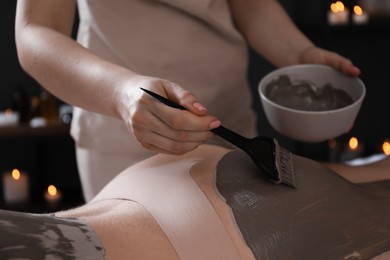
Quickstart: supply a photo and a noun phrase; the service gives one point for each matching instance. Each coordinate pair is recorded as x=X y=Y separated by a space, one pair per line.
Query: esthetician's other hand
x=161 y=128
x=270 y=31
x=320 y=56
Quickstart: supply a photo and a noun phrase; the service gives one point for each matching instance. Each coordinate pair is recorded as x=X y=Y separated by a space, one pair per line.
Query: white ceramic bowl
x=313 y=126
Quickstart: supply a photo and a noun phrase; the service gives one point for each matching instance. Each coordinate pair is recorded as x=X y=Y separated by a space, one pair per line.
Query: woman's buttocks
x=126 y=229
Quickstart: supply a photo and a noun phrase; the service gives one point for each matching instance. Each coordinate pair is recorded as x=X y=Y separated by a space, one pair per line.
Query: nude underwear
x=33 y=236
x=326 y=217
x=181 y=209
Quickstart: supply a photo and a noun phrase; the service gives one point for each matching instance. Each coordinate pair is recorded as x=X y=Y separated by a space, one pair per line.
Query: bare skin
x=64 y=67
x=135 y=234
x=144 y=237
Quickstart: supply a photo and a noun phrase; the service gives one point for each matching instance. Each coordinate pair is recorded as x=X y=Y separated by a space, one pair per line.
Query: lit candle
x=15 y=186
x=386 y=147
x=372 y=158
x=353 y=150
x=52 y=195
x=9 y=118
x=359 y=17
x=338 y=14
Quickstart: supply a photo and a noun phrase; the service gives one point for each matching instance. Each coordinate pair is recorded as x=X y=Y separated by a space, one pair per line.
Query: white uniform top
x=192 y=43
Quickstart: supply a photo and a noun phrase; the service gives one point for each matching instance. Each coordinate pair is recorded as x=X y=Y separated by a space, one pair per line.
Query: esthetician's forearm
x=61 y=65
x=270 y=31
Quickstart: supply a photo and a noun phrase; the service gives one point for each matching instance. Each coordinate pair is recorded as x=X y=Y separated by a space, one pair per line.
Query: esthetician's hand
x=161 y=128
x=321 y=56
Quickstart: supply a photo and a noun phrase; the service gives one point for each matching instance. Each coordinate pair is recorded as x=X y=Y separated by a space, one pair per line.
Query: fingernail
x=199 y=106
x=215 y=124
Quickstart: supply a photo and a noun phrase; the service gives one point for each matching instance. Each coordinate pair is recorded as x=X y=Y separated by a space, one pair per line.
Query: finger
x=185 y=120
x=152 y=123
x=350 y=69
x=333 y=59
x=342 y=64
x=147 y=121
x=178 y=119
x=184 y=97
x=175 y=124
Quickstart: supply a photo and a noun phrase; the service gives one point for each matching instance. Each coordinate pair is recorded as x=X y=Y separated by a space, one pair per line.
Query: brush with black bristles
x=265 y=152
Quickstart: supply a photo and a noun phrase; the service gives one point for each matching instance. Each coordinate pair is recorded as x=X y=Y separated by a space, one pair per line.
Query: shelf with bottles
x=41 y=114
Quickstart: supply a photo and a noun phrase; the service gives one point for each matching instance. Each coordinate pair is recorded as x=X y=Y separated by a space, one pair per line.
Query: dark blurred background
x=47 y=154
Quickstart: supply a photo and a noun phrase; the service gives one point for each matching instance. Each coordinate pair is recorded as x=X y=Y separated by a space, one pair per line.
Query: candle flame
x=357 y=10
x=15 y=174
x=386 y=147
x=337 y=7
x=52 y=190
x=353 y=143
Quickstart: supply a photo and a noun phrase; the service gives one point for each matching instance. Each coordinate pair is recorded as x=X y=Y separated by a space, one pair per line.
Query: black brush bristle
x=284 y=165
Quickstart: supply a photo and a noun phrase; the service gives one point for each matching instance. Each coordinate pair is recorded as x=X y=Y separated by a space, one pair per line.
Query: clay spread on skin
x=326 y=217
x=34 y=236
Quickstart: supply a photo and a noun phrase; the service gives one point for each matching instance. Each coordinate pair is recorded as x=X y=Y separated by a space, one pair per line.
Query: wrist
x=125 y=94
